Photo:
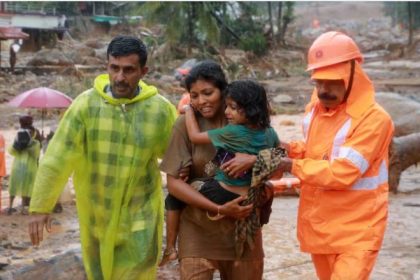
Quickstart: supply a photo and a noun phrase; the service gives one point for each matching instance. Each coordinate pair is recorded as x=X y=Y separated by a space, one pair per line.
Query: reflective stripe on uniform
x=306 y=123
x=339 y=139
x=371 y=183
x=355 y=157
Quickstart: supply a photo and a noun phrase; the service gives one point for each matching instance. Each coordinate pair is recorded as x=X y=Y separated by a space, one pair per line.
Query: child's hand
x=187 y=107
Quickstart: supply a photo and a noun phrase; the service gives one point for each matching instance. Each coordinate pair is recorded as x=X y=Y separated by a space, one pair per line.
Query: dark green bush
x=255 y=43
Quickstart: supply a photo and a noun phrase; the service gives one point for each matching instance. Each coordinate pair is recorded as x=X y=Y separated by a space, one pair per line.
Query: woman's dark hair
x=208 y=71
x=251 y=97
x=26 y=121
x=123 y=45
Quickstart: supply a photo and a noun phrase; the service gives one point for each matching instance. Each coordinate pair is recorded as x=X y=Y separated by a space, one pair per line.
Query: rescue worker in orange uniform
x=342 y=163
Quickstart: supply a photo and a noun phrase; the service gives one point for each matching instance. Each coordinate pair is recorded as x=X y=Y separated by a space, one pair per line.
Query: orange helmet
x=331 y=48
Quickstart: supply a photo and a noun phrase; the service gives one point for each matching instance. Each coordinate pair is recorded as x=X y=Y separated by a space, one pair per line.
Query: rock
x=4 y=262
x=404 y=112
x=77 y=55
x=101 y=53
x=66 y=266
x=95 y=44
x=49 y=57
x=6 y=276
x=3 y=236
x=6 y=244
x=21 y=246
x=283 y=98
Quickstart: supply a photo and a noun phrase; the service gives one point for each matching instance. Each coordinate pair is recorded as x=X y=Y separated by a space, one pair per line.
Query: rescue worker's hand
x=285 y=146
x=234 y=210
x=36 y=227
x=238 y=165
x=277 y=174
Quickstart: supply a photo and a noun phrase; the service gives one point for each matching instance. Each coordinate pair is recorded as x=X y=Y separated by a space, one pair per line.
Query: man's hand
x=238 y=165
x=285 y=165
x=234 y=210
x=36 y=227
x=285 y=146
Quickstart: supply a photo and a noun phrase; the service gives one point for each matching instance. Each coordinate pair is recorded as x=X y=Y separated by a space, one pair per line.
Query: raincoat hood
x=102 y=81
x=362 y=94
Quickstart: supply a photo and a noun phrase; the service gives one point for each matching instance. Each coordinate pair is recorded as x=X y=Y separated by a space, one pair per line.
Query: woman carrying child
x=206 y=245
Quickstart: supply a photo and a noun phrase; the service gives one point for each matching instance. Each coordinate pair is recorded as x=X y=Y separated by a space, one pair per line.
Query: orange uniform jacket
x=343 y=167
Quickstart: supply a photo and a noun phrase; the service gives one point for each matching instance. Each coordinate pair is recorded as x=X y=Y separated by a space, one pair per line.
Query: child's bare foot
x=170 y=254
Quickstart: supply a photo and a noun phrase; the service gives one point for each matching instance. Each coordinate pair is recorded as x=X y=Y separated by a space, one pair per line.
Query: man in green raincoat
x=110 y=139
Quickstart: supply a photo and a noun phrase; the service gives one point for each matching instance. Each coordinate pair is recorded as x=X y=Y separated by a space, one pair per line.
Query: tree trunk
x=190 y=28
x=270 y=19
x=287 y=18
x=404 y=152
x=222 y=23
x=279 y=16
x=410 y=23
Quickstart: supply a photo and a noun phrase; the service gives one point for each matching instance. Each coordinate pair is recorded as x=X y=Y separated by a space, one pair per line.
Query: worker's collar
x=331 y=112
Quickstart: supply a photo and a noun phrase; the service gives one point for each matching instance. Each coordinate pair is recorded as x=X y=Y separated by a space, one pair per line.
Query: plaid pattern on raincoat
x=111 y=146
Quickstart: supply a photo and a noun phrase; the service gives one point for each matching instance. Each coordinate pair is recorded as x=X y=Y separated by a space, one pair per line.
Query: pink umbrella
x=42 y=98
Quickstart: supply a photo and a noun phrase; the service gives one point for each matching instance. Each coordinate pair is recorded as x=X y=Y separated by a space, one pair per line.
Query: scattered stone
x=287 y=123
x=21 y=246
x=282 y=98
x=64 y=266
x=49 y=57
x=4 y=262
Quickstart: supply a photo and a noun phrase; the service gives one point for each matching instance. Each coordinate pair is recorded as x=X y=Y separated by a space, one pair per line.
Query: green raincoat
x=25 y=164
x=111 y=146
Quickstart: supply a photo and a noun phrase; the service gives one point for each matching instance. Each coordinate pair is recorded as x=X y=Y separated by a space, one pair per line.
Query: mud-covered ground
x=398 y=259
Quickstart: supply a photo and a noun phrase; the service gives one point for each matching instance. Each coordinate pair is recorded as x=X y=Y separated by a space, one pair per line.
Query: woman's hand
x=184 y=173
x=238 y=165
x=234 y=210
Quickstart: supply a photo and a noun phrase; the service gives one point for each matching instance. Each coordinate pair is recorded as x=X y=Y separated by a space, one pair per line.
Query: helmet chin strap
x=352 y=62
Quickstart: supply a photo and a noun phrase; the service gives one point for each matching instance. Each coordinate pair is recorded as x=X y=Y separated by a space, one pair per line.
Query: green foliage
x=63 y=7
x=188 y=22
x=249 y=26
x=203 y=24
x=289 y=14
x=399 y=12
x=256 y=44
